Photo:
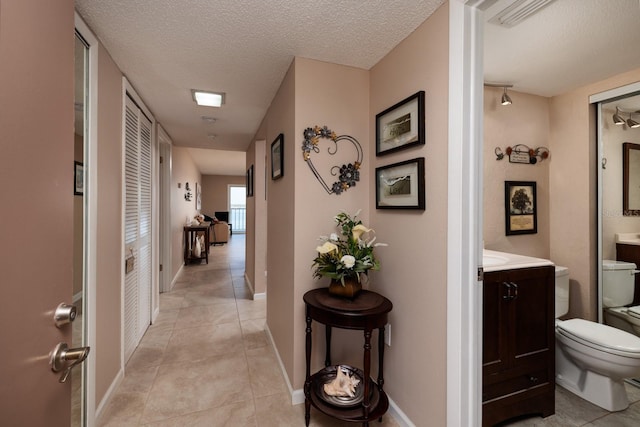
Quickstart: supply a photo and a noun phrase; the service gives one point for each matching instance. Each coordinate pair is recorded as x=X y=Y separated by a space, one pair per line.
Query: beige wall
x=413 y=274
x=109 y=218
x=526 y=122
x=337 y=97
x=215 y=195
x=572 y=192
x=183 y=170
x=256 y=233
x=280 y=223
x=612 y=219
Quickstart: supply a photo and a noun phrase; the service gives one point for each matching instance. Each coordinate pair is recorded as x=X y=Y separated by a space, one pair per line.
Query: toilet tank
x=618 y=282
x=562 y=291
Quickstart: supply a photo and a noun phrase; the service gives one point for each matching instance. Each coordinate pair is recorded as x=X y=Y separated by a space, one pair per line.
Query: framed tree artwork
x=521 y=212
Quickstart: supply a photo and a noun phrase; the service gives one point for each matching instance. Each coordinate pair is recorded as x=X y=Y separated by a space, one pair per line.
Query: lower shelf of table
x=378 y=401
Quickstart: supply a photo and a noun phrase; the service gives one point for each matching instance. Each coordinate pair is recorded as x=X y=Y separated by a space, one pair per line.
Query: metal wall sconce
x=505 y=99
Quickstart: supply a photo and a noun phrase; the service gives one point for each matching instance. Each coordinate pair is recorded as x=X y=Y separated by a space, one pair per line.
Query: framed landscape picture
x=401 y=125
x=277 y=158
x=401 y=185
x=521 y=216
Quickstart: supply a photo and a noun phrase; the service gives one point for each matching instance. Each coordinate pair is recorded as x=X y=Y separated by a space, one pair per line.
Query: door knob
x=65 y=313
x=62 y=354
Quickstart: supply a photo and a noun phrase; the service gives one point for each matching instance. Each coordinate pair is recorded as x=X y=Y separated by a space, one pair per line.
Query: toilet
x=592 y=359
x=618 y=286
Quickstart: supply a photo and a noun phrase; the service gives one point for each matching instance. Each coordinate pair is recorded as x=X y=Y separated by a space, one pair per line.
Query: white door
x=137 y=233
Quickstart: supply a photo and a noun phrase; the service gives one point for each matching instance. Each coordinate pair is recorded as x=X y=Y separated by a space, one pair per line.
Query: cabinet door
x=494 y=321
x=534 y=311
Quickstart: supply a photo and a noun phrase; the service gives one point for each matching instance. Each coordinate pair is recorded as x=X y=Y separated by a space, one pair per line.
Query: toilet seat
x=634 y=312
x=630 y=315
x=601 y=337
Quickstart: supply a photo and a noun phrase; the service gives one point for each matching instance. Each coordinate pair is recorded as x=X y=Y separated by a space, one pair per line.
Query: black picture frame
x=401 y=185
x=401 y=126
x=520 y=207
x=250 y=181
x=78 y=178
x=277 y=157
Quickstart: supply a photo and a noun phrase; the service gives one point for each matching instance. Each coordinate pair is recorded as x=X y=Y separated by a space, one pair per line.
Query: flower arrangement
x=349 y=255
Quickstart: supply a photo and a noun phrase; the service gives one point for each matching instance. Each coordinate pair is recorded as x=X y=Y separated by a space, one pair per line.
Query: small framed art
x=401 y=125
x=250 y=181
x=401 y=185
x=277 y=158
x=521 y=216
x=78 y=178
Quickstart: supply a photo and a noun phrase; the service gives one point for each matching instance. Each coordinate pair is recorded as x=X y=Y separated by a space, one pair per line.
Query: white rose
x=348 y=261
x=333 y=237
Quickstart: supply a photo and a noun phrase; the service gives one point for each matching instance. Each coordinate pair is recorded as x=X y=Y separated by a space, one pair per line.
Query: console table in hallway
x=190 y=236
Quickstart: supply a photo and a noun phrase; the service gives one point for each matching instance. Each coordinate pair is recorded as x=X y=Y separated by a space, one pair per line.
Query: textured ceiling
x=244 y=47
x=567 y=44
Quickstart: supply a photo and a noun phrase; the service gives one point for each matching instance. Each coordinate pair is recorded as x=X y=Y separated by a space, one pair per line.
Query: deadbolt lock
x=65 y=313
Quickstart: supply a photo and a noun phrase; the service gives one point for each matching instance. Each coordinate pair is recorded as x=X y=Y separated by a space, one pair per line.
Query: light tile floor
x=572 y=411
x=207 y=361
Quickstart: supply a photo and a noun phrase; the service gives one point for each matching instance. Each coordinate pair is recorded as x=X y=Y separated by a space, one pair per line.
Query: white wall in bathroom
x=526 y=121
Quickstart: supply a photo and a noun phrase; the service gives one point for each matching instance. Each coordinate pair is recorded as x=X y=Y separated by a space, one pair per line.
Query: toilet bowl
x=592 y=359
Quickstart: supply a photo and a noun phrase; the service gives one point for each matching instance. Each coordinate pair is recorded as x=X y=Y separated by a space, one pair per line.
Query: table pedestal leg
x=307 y=385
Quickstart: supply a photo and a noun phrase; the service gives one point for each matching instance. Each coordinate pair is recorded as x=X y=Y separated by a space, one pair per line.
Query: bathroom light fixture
x=505 y=99
x=632 y=123
x=518 y=10
x=617 y=120
x=208 y=99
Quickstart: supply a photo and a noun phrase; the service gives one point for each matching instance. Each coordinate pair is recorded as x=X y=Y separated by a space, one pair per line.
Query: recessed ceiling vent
x=517 y=11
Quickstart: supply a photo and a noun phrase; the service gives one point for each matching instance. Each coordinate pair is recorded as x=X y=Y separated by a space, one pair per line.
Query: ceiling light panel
x=208 y=99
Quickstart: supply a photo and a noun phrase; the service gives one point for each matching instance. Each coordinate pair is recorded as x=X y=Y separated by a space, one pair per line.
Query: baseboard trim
x=282 y=369
x=398 y=415
x=108 y=395
x=297 y=395
x=255 y=296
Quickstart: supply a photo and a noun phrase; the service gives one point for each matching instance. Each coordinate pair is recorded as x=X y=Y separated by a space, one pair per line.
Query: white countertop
x=498 y=261
x=628 y=238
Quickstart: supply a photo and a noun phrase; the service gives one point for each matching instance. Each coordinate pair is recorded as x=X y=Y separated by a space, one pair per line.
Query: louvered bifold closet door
x=137 y=293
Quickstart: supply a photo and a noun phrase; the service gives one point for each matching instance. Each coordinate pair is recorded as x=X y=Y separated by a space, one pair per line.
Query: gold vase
x=350 y=289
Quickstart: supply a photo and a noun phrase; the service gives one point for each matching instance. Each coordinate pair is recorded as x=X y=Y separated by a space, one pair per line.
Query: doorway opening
x=238 y=208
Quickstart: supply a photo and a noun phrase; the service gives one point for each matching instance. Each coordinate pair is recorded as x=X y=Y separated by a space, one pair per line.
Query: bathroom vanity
x=518 y=357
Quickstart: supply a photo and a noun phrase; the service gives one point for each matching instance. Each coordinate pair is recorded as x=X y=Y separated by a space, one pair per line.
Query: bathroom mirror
x=631 y=179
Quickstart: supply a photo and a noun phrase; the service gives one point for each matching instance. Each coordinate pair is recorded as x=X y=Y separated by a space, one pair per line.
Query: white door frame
x=91 y=216
x=599 y=99
x=164 y=180
x=464 y=229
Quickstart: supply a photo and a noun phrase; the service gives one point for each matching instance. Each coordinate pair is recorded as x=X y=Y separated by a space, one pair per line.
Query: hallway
x=207 y=360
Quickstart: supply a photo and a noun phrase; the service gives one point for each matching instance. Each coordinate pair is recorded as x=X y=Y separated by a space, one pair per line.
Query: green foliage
x=352 y=254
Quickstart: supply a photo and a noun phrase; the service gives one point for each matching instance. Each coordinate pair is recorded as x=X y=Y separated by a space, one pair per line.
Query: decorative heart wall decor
x=348 y=175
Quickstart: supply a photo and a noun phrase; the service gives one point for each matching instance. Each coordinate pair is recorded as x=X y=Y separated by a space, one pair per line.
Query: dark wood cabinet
x=630 y=253
x=518 y=356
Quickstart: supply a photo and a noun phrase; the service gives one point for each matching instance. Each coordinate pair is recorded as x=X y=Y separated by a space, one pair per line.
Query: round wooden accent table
x=366 y=312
